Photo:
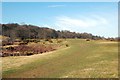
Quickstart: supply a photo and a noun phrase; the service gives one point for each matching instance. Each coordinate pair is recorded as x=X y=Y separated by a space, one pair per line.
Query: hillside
x=15 y=30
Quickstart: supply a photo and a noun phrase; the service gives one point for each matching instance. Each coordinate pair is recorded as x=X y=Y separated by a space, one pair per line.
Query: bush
x=87 y=39
x=43 y=42
x=67 y=45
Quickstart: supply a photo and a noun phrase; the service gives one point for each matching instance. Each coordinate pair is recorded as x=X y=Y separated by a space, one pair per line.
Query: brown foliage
x=24 y=50
x=87 y=39
x=67 y=45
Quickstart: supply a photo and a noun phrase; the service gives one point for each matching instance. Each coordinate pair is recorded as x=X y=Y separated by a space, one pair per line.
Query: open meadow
x=80 y=59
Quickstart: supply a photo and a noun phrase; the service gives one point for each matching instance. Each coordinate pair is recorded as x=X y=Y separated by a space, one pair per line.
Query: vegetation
x=82 y=59
x=76 y=55
x=22 y=32
x=28 y=48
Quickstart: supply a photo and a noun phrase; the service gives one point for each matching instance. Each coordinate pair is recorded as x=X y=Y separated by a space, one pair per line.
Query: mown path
x=82 y=59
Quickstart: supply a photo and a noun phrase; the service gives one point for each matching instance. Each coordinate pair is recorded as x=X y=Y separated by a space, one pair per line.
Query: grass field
x=82 y=59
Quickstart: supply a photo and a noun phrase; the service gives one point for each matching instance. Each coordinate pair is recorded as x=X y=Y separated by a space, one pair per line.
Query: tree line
x=17 y=31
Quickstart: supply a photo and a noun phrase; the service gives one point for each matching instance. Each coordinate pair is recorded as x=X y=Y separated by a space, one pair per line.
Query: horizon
x=97 y=18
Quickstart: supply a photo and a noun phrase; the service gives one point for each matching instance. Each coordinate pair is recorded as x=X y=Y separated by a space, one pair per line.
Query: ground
x=81 y=59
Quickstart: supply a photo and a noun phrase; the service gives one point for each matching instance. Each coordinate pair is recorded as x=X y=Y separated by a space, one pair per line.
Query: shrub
x=87 y=39
x=43 y=42
x=67 y=45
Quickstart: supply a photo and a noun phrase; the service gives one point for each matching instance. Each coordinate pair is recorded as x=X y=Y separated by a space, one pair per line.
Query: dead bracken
x=24 y=50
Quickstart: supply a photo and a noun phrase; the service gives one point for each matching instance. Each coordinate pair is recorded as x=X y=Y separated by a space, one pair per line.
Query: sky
x=60 y=0
x=98 y=18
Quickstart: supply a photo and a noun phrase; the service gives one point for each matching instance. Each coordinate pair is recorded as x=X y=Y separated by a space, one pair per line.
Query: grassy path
x=81 y=59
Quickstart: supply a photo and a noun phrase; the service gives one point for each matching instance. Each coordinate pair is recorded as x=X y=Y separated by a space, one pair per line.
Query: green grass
x=81 y=59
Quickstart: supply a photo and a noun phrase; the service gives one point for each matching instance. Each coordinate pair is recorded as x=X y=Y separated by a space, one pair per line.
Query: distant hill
x=14 y=30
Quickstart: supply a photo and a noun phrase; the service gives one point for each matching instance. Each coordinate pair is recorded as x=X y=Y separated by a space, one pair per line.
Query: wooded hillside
x=14 y=30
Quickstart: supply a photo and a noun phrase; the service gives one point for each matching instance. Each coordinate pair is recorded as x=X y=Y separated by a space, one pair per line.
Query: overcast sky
x=98 y=18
